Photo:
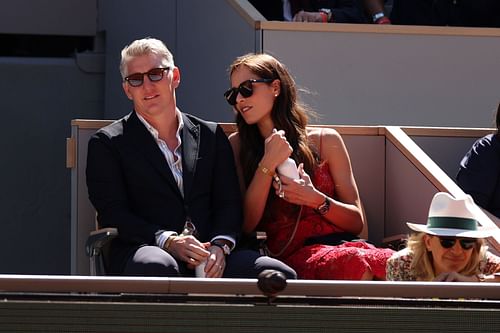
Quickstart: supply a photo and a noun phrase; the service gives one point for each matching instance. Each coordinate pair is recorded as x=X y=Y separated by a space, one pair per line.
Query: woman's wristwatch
x=324 y=207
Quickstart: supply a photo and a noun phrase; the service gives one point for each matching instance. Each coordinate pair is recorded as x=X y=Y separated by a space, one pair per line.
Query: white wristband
x=377 y=16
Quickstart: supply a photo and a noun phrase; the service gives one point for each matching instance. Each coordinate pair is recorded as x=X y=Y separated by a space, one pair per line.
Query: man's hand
x=189 y=250
x=303 y=16
x=216 y=263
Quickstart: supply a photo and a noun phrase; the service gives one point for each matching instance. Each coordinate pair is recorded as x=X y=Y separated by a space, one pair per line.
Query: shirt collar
x=154 y=131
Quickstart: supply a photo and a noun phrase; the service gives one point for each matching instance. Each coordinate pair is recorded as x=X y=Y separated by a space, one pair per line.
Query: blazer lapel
x=190 y=151
x=144 y=142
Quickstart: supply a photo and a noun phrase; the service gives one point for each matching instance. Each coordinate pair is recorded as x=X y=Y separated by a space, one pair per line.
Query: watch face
x=225 y=248
x=324 y=207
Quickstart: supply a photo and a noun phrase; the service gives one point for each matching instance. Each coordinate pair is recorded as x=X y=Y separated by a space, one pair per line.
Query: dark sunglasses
x=154 y=75
x=245 y=89
x=465 y=243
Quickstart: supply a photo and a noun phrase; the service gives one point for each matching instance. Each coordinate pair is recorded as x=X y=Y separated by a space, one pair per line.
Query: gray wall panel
x=206 y=47
x=408 y=193
x=393 y=79
x=447 y=152
x=49 y=17
x=123 y=21
x=204 y=37
x=39 y=100
x=367 y=154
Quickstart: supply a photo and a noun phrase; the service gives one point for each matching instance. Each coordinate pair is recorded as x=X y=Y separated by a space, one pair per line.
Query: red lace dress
x=347 y=261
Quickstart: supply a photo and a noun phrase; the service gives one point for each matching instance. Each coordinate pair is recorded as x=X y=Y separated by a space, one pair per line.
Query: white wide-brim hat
x=453 y=217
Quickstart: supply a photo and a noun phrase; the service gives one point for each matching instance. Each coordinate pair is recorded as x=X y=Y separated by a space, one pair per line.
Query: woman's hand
x=276 y=150
x=299 y=191
x=455 y=277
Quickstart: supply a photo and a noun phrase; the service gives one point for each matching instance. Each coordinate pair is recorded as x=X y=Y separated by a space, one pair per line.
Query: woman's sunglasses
x=245 y=89
x=465 y=243
x=154 y=75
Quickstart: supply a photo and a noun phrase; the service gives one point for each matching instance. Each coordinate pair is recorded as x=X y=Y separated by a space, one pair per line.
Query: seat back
x=395 y=177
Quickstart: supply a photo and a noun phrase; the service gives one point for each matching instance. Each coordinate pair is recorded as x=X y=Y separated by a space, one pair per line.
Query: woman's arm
x=345 y=208
x=398 y=266
x=255 y=196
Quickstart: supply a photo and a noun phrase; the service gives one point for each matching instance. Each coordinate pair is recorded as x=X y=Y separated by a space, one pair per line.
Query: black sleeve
x=480 y=171
x=226 y=196
x=108 y=193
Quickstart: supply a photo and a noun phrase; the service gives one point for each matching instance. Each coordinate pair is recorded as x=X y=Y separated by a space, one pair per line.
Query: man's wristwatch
x=377 y=16
x=324 y=207
x=225 y=248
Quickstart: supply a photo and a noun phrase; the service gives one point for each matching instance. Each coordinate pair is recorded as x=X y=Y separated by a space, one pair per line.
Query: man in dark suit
x=460 y=13
x=167 y=181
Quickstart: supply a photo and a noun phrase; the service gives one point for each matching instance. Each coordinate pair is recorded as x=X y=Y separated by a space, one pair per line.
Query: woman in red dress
x=308 y=216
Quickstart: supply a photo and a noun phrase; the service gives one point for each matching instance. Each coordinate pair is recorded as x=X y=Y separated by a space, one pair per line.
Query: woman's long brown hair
x=287 y=114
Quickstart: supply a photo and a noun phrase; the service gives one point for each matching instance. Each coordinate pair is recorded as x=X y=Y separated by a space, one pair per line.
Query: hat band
x=452 y=223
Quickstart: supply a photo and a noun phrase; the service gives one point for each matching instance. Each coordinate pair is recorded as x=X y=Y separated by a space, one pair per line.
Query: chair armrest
x=254 y=241
x=98 y=239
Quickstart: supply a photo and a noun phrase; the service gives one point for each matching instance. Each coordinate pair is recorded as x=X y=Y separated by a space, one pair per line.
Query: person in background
x=460 y=13
x=332 y=11
x=450 y=247
x=374 y=9
x=479 y=173
x=311 y=217
x=167 y=181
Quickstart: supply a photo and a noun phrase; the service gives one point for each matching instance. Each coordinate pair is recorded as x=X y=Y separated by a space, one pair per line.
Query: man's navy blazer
x=132 y=187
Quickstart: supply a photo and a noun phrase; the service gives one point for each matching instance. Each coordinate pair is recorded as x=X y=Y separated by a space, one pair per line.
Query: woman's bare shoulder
x=327 y=135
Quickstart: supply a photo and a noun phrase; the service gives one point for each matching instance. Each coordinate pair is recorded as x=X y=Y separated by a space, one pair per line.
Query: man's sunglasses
x=245 y=89
x=449 y=242
x=154 y=75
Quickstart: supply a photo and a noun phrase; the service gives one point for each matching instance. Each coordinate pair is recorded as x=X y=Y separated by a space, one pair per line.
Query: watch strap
x=225 y=248
x=377 y=16
x=324 y=207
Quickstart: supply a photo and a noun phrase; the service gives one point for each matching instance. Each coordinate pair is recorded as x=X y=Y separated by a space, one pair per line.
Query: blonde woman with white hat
x=450 y=247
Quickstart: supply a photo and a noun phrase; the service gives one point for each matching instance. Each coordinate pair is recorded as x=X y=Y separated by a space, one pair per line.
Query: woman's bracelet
x=266 y=171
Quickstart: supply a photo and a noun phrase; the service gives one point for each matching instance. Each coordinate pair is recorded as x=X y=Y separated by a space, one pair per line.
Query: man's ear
x=276 y=85
x=126 y=89
x=176 y=76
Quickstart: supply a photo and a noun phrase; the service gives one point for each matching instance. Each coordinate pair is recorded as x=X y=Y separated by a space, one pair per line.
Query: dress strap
x=320 y=143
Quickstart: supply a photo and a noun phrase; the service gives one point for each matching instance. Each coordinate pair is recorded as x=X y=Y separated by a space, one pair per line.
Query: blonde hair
x=422 y=263
x=142 y=47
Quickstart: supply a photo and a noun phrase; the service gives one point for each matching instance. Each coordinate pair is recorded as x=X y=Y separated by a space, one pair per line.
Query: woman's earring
x=275 y=95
